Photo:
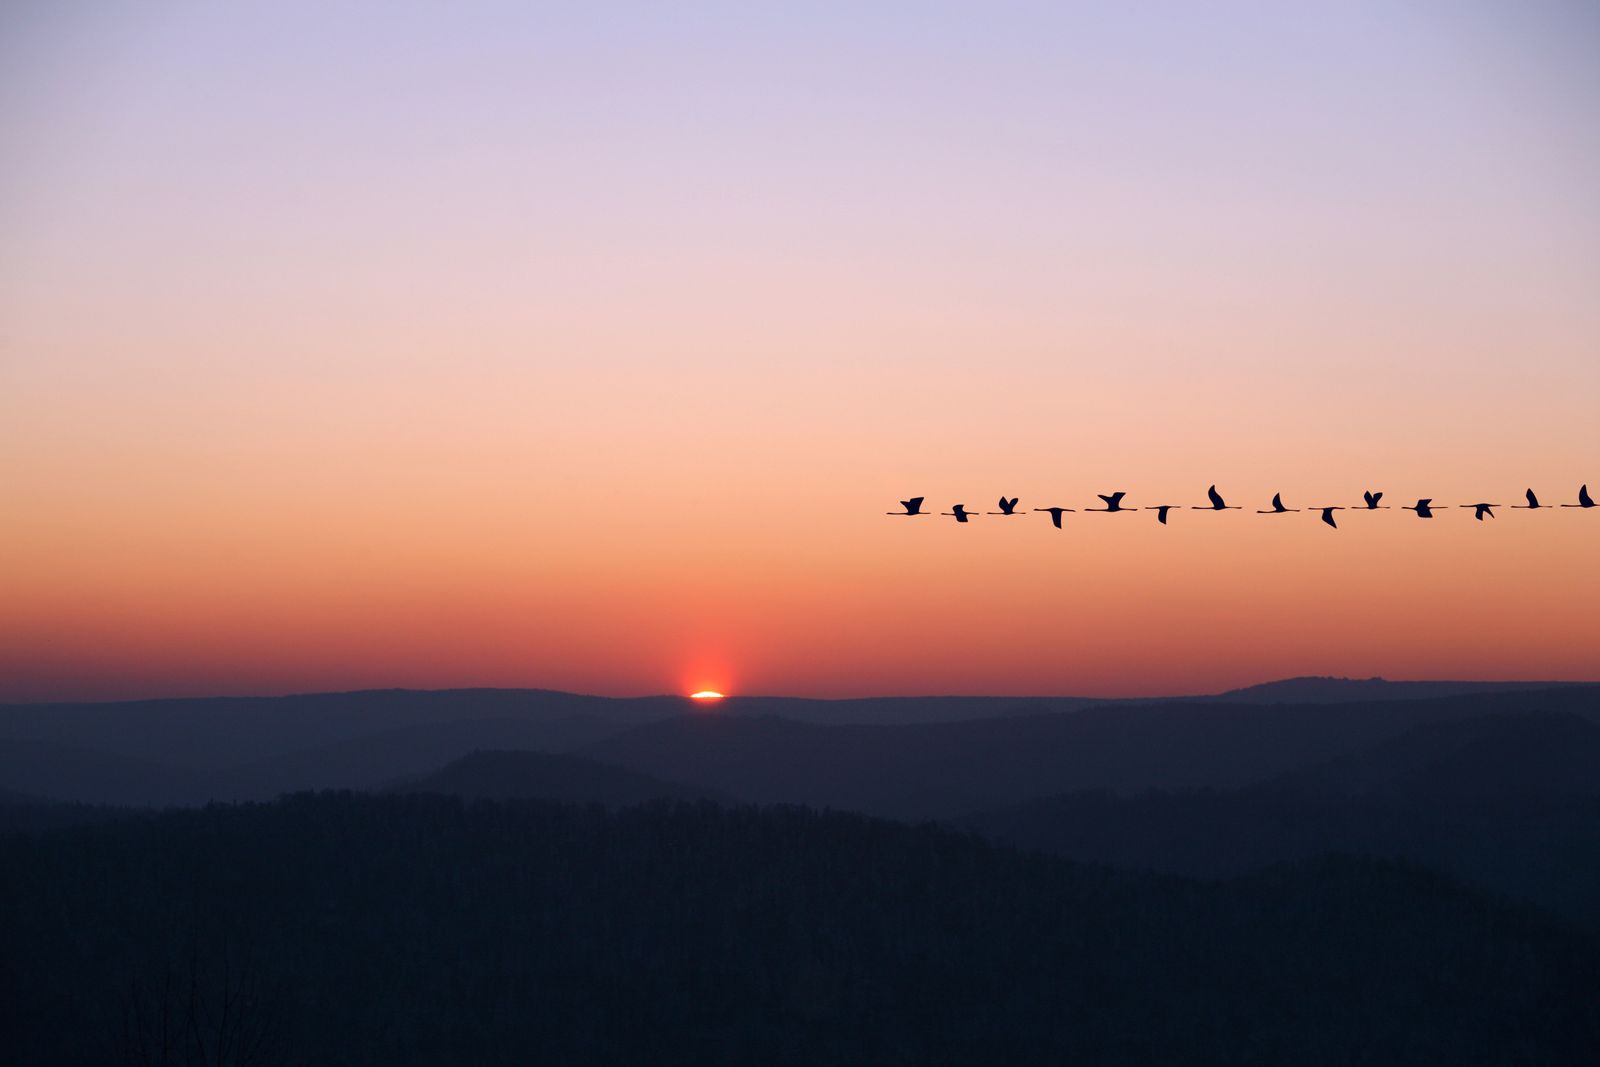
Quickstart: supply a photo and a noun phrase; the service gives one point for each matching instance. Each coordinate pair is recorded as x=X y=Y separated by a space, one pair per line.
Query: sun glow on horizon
x=706 y=694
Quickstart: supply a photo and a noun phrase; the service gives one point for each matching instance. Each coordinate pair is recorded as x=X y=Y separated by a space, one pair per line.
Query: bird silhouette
x=961 y=513
x=1372 y=500
x=1327 y=514
x=1584 y=499
x=1217 y=503
x=1055 y=514
x=1113 y=502
x=1161 y=511
x=1277 y=506
x=912 y=507
x=1423 y=508
x=1533 y=502
x=1480 y=510
x=1007 y=506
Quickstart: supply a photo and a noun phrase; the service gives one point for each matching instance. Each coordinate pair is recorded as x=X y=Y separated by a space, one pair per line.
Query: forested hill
x=419 y=929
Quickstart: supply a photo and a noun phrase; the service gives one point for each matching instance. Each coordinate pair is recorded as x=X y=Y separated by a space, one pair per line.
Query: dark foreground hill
x=1509 y=802
x=542 y=776
x=417 y=929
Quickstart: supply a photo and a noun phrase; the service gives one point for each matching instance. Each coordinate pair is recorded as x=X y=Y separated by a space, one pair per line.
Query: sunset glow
x=344 y=385
x=706 y=694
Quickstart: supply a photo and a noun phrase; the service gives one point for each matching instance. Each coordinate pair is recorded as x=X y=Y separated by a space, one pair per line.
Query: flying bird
x=1372 y=500
x=1327 y=514
x=1481 y=510
x=912 y=507
x=1423 y=508
x=1217 y=503
x=1007 y=507
x=1277 y=506
x=1584 y=499
x=961 y=513
x=1055 y=514
x=1533 y=502
x=1113 y=502
x=1161 y=511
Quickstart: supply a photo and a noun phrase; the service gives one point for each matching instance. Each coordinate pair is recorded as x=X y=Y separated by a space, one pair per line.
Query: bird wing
x=1116 y=498
x=1583 y=496
x=1277 y=502
x=1533 y=501
x=912 y=505
x=1327 y=517
x=1216 y=498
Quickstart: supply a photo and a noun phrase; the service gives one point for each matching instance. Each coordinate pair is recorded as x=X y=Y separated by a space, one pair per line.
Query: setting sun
x=706 y=694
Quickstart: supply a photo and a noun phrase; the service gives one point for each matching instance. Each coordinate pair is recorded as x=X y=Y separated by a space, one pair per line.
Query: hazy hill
x=946 y=769
x=542 y=776
x=1489 y=757
x=421 y=930
x=1510 y=802
x=60 y=772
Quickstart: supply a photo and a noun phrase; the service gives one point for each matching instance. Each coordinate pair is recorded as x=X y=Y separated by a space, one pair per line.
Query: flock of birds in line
x=1424 y=507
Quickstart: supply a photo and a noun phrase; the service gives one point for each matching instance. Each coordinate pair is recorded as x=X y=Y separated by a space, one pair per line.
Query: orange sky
x=588 y=353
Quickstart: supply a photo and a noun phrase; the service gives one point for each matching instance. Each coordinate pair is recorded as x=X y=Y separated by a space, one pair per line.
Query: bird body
x=1161 y=511
x=1584 y=499
x=1372 y=500
x=1423 y=508
x=912 y=507
x=1480 y=510
x=1113 y=502
x=1217 y=503
x=1327 y=514
x=1055 y=515
x=1277 y=506
x=1533 y=502
x=960 y=512
x=1007 y=506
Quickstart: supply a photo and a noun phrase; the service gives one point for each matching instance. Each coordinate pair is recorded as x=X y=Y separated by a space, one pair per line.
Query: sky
x=586 y=346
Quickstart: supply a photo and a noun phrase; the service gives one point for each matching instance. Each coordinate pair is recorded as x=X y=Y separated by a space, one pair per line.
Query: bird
x=1481 y=510
x=912 y=507
x=1113 y=502
x=1533 y=502
x=1327 y=514
x=1217 y=503
x=1277 y=506
x=1055 y=514
x=1007 y=506
x=1161 y=511
x=961 y=513
x=1584 y=499
x=1372 y=500
x=1423 y=508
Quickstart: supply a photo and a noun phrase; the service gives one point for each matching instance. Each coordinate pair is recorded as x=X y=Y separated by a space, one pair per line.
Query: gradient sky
x=585 y=346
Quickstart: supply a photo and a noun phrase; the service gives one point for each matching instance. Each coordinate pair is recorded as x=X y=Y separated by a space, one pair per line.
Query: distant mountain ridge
x=964 y=754
x=1320 y=689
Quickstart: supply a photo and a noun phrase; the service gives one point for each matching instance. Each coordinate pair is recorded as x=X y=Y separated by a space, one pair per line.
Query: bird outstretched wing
x=1115 y=499
x=1216 y=497
x=912 y=505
